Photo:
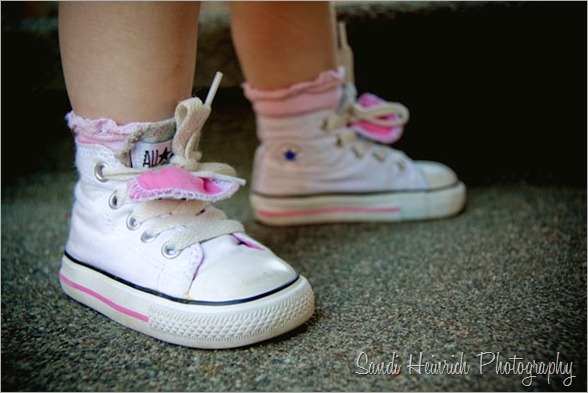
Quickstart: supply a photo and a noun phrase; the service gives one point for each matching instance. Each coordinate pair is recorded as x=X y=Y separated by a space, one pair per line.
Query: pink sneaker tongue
x=150 y=154
x=367 y=100
x=176 y=183
x=373 y=131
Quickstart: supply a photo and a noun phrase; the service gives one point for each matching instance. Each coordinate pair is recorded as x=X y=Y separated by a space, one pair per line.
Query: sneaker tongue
x=153 y=148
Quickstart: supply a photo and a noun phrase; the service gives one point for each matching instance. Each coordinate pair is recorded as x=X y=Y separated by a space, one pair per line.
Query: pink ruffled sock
x=324 y=92
x=133 y=144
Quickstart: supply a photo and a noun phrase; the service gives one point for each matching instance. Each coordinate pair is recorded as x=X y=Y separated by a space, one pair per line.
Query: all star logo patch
x=151 y=154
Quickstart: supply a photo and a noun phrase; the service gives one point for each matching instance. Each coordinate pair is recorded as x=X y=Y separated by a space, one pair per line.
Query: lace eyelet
x=169 y=251
x=147 y=237
x=132 y=223
x=98 y=172
x=114 y=202
x=381 y=155
x=358 y=154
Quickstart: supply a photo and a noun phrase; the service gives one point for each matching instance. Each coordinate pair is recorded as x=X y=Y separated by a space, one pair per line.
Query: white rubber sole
x=191 y=324
x=393 y=206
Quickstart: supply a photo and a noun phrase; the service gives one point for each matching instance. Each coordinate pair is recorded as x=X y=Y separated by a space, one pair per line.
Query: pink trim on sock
x=177 y=183
x=324 y=92
x=104 y=300
x=104 y=132
x=108 y=133
x=327 y=210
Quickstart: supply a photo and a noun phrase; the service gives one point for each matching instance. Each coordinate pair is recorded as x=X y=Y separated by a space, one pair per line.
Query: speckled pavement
x=508 y=275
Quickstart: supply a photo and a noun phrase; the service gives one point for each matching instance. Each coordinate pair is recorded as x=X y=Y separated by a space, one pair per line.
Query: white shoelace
x=191 y=221
x=194 y=221
x=353 y=112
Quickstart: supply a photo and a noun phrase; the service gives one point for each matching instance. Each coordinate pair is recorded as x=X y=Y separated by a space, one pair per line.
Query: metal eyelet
x=98 y=172
x=169 y=251
x=147 y=237
x=132 y=223
x=113 y=201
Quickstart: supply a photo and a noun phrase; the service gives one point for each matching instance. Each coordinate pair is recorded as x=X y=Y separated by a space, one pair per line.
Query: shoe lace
x=385 y=114
x=192 y=219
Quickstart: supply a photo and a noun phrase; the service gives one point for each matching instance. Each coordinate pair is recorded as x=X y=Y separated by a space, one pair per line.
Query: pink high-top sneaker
x=324 y=157
x=147 y=248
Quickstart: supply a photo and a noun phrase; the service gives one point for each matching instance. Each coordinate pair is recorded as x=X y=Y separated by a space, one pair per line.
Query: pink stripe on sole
x=104 y=300
x=328 y=210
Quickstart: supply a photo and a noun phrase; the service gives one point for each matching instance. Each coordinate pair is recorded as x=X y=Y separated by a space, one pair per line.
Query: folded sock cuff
x=324 y=92
x=108 y=133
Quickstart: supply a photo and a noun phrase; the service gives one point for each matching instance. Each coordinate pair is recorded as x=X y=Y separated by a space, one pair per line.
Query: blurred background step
x=35 y=24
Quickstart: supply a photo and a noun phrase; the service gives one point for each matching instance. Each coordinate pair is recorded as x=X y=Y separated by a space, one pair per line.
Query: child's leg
x=146 y=246
x=323 y=154
x=128 y=61
x=282 y=43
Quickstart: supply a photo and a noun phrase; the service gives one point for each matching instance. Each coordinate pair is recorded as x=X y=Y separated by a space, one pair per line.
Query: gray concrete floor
x=508 y=275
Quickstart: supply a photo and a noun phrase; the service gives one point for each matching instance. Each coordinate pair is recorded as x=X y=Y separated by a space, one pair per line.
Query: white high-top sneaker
x=147 y=248
x=325 y=156
x=325 y=167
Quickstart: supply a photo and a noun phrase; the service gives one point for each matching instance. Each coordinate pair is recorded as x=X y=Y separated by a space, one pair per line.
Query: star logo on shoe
x=151 y=154
x=289 y=153
x=165 y=156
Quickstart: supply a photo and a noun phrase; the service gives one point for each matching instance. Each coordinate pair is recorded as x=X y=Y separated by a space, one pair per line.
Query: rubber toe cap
x=241 y=276
x=437 y=175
